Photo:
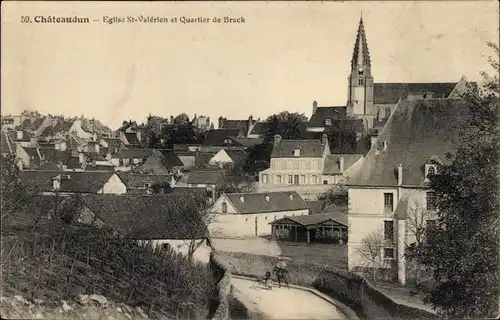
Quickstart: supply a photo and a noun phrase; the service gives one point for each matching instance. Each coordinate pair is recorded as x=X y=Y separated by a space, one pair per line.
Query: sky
x=285 y=55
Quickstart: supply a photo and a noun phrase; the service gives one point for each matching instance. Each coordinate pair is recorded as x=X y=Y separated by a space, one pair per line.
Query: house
x=245 y=126
x=323 y=227
x=23 y=138
x=206 y=179
x=249 y=214
x=227 y=157
x=126 y=159
x=143 y=183
x=131 y=138
x=391 y=186
x=156 y=163
x=299 y=165
x=51 y=182
x=259 y=130
x=201 y=122
x=216 y=136
x=161 y=220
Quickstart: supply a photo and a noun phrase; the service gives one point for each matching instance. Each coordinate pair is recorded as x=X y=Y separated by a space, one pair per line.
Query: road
x=283 y=303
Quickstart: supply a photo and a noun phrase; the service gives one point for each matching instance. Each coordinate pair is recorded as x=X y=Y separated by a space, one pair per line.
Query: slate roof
x=132 y=180
x=323 y=113
x=200 y=192
x=53 y=155
x=308 y=149
x=236 y=155
x=247 y=142
x=216 y=136
x=113 y=143
x=202 y=158
x=172 y=158
x=315 y=219
x=241 y=125
x=257 y=203
x=416 y=131
x=132 y=138
x=26 y=136
x=73 y=142
x=389 y=93
x=332 y=162
x=260 y=128
x=80 y=181
x=133 y=153
x=64 y=126
x=147 y=217
x=205 y=177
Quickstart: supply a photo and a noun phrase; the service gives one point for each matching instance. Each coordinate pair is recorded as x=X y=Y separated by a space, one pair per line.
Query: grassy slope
x=56 y=262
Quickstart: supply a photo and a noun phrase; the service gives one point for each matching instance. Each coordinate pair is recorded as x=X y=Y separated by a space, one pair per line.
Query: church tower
x=360 y=96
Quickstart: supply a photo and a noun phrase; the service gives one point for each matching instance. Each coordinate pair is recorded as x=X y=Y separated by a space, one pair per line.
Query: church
x=370 y=104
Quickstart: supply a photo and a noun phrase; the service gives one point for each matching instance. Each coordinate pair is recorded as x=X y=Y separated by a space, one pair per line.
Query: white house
x=164 y=221
x=389 y=196
x=249 y=214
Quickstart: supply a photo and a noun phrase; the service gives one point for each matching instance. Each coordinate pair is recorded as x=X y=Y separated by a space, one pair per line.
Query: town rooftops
x=78 y=181
x=133 y=153
x=132 y=180
x=205 y=177
x=323 y=113
x=148 y=217
x=246 y=203
x=416 y=131
x=390 y=93
x=216 y=136
x=260 y=128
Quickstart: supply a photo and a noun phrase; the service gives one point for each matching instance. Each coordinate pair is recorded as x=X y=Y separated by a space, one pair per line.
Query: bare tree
x=371 y=251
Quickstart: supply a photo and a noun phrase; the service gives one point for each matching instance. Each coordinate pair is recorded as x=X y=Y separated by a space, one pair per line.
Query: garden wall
x=351 y=289
x=219 y=299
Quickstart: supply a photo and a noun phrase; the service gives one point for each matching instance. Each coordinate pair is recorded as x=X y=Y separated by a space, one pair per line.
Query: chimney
x=277 y=139
x=324 y=139
x=267 y=198
x=81 y=157
x=19 y=135
x=341 y=164
x=400 y=174
x=242 y=199
x=97 y=147
x=291 y=196
x=221 y=121
x=315 y=106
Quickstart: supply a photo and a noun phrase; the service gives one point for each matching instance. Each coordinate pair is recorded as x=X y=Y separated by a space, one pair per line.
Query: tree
x=14 y=196
x=286 y=124
x=336 y=196
x=463 y=250
x=342 y=136
x=370 y=251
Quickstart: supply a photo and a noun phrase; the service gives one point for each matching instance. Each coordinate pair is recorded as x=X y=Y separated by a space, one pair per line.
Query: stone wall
x=219 y=300
x=349 y=288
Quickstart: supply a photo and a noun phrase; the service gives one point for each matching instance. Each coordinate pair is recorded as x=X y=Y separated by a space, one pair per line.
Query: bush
x=59 y=262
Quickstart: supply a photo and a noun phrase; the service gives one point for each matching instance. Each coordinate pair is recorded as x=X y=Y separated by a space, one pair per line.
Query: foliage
x=161 y=187
x=371 y=252
x=462 y=251
x=336 y=196
x=59 y=261
x=14 y=197
x=342 y=137
x=286 y=124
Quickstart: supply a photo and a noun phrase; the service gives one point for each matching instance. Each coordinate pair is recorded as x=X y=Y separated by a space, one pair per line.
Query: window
x=224 y=207
x=361 y=81
x=314 y=179
x=296 y=152
x=325 y=181
x=290 y=179
x=147 y=185
x=264 y=178
x=278 y=179
x=328 y=122
x=388 y=230
x=388 y=253
x=302 y=179
x=431 y=171
x=431 y=201
x=389 y=202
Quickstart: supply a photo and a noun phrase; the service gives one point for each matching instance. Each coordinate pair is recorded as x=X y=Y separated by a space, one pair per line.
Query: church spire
x=361 y=55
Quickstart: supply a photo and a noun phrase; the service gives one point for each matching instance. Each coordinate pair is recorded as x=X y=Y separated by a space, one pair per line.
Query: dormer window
x=296 y=152
x=361 y=81
x=328 y=122
x=430 y=170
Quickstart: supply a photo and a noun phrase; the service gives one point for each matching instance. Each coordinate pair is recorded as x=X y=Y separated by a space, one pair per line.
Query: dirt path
x=282 y=303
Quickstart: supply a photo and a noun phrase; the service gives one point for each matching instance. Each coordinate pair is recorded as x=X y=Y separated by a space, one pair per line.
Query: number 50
x=25 y=19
